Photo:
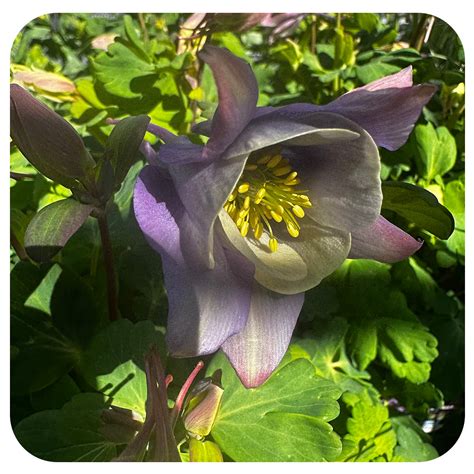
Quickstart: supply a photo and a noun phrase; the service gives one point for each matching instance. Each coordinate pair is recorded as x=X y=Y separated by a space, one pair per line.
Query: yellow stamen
x=266 y=195
x=298 y=211
x=292 y=230
x=264 y=159
x=273 y=244
x=291 y=177
x=276 y=216
x=244 y=228
x=282 y=170
x=243 y=188
x=247 y=202
x=274 y=161
x=260 y=195
x=243 y=213
x=258 y=230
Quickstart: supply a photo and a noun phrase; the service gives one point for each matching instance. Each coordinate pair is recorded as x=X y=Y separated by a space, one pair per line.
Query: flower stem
x=111 y=276
x=183 y=392
x=19 y=176
x=19 y=249
x=314 y=32
x=141 y=20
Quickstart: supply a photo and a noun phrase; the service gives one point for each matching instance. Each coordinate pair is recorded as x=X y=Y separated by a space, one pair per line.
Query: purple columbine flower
x=274 y=202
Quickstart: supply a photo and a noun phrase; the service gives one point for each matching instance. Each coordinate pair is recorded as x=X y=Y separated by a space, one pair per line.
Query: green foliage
x=436 y=151
x=380 y=325
x=113 y=363
x=287 y=416
x=204 y=451
x=370 y=435
x=123 y=143
x=378 y=349
x=418 y=206
x=73 y=433
x=412 y=445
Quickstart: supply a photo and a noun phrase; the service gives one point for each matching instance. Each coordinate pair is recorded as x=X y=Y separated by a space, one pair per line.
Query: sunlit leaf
x=286 y=419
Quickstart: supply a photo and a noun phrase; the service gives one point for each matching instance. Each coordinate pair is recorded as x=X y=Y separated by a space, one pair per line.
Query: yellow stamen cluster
x=266 y=192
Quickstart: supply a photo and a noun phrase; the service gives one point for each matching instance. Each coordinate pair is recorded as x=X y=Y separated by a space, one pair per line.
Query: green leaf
x=114 y=362
x=50 y=229
x=417 y=399
x=204 y=451
x=411 y=446
x=454 y=197
x=370 y=434
x=123 y=144
x=375 y=70
x=286 y=419
x=380 y=324
x=367 y=21
x=120 y=68
x=230 y=41
x=436 y=150
x=327 y=351
x=69 y=301
x=43 y=353
x=416 y=282
x=419 y=206
x=134 y=39
x=55 y=395
x=344 y=49
x=71 y=434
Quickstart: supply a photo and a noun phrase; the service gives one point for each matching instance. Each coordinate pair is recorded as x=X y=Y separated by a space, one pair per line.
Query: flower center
x=265 y=193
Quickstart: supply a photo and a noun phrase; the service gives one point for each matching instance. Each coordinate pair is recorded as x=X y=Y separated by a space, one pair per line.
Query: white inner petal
x=298 y=264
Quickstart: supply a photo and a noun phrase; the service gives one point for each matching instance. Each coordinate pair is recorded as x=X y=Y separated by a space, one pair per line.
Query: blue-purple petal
x=277 y=129
x=203 y=189
x=387 y=108
x=238 y=94
x=180 y=152
x=342 y=178
x=383 y=241
x=206 y=307
x=257 y=350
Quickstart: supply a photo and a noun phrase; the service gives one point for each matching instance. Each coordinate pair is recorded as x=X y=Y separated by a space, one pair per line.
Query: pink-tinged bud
x=202 y=408
x=49 y=142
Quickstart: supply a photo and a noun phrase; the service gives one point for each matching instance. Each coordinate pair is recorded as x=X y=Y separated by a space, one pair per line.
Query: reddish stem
x=168 y=380
x=183 y=392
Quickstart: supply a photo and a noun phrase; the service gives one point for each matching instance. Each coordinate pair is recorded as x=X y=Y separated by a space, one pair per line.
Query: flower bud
x=49 y=142
x=202 y=407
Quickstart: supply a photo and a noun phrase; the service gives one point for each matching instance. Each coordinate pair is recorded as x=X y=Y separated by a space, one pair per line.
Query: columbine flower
x=274 y=202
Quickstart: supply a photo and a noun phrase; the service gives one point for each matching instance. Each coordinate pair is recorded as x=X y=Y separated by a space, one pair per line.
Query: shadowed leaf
x=123 y=143
x=419 y=206
x=50 y=229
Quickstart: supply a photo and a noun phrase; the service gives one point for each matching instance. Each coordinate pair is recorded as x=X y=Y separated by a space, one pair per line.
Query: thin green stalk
x=314 y=31
x=141 y=19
